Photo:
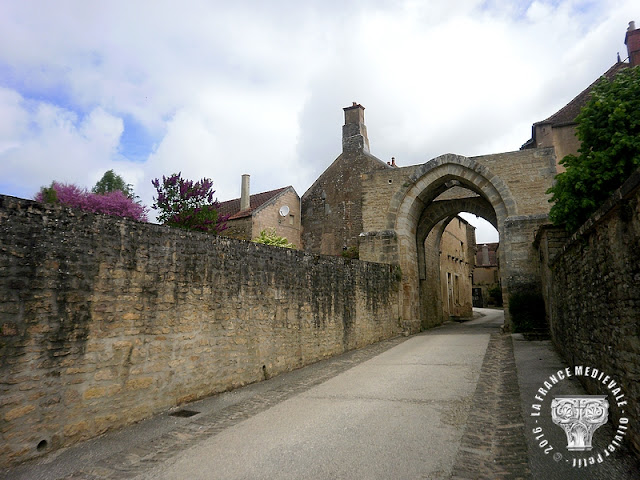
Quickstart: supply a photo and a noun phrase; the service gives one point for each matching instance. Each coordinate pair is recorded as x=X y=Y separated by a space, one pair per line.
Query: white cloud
x=257 y=87
x=40 y=142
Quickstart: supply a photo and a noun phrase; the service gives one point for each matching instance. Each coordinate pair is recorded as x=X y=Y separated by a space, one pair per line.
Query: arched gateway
x=399 y=213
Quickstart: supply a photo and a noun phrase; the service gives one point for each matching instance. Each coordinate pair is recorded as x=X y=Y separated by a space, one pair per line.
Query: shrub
x=189 y=205
x=527 y=311
x=495 y=294
x=351 y=252
x=270 y=237
x=113 y=203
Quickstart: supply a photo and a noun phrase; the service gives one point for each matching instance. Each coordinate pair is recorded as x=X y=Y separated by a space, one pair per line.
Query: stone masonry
x=388 y=212
x=332 y=206
x=592 y=294
x=402 y=205
x=105 y=321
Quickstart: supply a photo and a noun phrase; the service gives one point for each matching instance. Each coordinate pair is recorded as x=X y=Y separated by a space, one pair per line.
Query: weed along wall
x=105 y=321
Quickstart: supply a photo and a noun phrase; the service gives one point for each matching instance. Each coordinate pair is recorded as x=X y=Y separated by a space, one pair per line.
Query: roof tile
x=232 y=207
x=570 y=111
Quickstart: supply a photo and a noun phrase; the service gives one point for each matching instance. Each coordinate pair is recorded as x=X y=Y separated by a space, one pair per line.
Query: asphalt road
x=398 y=415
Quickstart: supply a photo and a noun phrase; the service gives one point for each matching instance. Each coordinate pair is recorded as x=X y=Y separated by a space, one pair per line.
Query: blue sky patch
x=136 y=142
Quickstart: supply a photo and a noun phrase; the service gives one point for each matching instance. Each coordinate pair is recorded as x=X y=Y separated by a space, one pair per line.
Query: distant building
x=457 y=250
x=559 y=130
x=486 y=275
x=250 y=214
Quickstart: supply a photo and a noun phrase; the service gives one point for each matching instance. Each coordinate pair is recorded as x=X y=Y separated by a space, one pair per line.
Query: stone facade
x=288 y=225
x=105 y=321
x=263 y=212
x=388 y=211
x=590 y=285
x=457 y=251
x=405 y=203
x=486 y=274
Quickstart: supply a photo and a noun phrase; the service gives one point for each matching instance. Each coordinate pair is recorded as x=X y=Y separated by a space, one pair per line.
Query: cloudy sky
x=217 y=88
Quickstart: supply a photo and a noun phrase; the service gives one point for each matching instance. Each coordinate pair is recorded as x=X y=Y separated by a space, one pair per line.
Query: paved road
x=398 y=415
x=442 y=404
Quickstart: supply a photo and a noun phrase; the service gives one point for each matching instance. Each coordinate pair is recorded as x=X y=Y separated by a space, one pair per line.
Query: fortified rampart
x=106 y=321
x=592 y=292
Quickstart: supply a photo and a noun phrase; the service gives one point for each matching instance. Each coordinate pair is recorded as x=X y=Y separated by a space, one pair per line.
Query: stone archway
x=413 y=212
x=402 y=205
x=432 y=224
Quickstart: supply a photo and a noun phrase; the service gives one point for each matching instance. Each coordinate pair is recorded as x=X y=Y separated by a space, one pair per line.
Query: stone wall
x=239 y=228
x=332 y=206
x=106 y=321
x=592 y=294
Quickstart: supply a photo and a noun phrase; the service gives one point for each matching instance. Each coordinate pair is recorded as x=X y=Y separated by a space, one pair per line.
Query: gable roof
x=568 y=113
x=232 y=207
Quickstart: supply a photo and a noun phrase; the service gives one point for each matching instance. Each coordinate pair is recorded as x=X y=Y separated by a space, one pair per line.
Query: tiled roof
x=570 y=111
x=232 y=207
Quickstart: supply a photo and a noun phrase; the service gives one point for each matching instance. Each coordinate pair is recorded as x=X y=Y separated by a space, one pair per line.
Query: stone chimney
x=485 y=255
x=354 y=131
x=244 y=193
x=632 y=41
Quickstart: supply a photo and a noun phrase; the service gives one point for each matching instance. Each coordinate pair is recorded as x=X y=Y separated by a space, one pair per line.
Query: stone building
x=250 y=214
x=398 y=214
x=559 y=130
x=332 y=217
x=457 y=251
x=486 y=275
x=332 y=206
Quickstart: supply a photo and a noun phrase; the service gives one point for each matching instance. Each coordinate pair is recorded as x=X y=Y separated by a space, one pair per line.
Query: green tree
x=609 y=132
x=111 y=182
x=270 y=237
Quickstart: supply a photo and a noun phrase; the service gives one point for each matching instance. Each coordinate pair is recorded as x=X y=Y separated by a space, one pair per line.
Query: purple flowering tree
x=186 y=204
x=112 y=203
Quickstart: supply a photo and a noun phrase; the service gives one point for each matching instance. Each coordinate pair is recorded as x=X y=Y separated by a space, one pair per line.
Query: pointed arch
x=429 y=180
x=413 y=213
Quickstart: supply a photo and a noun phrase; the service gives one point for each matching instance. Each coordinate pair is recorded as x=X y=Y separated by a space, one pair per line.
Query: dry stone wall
x=592 y=292
x=105 y=321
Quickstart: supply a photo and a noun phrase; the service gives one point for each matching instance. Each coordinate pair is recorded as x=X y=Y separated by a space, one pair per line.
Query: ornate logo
x=579 y=417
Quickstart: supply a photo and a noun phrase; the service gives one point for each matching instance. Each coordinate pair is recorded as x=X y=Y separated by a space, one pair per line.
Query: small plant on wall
x=351 y=252
x=270 y=237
